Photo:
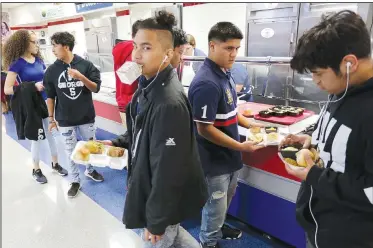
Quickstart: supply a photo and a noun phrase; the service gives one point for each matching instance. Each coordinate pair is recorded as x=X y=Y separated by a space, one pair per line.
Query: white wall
x=30 y=13
x=143 y=10
x=77 y=29
x=124 y=27
x=24 y=14
x=198 y=20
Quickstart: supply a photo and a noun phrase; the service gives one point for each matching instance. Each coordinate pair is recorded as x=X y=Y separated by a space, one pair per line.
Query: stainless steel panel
x=105 y=39
x=268 y=6
x=91 y=42
x=303 y=88
x=100 y=35
x=326 y=8
x=94 y=58
x=272 y=86
x=106 y=62
x=262 y=11
x=278 y=45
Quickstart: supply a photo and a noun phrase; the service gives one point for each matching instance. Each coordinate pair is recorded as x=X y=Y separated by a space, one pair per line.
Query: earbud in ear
x=165 y=58
x=348 y=65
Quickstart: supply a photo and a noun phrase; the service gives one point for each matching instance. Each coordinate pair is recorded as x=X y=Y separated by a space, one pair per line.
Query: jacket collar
x=146 y=85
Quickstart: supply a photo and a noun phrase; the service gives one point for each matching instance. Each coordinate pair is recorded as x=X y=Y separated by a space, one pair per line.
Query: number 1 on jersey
x=204 y=112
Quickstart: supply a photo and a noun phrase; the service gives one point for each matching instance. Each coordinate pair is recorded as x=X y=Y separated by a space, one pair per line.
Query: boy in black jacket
x=69 y=83
x=165 y=179
x=335 y=203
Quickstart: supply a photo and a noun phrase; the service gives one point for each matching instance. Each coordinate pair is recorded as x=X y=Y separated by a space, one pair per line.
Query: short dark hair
x=135 y=28
x=64 y=39
x=180 y=37
x=325 y=45
x=223 y=31
x=163 y=21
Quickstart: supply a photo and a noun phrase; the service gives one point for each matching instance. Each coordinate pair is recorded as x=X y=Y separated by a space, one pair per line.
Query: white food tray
x=101 y=160
x=265 y=141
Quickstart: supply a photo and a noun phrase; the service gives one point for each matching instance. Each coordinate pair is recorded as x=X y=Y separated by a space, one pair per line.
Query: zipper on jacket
x=136 y=144
x=134 y=123
x=313 y=217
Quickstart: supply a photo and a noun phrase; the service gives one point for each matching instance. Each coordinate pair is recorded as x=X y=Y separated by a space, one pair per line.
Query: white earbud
x=348 y=65
x=165 y=58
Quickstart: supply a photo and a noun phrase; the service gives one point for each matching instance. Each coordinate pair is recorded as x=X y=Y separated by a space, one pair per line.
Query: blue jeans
x=87 y=132
x=221 y=190
x=50 y=136
x=174 y=237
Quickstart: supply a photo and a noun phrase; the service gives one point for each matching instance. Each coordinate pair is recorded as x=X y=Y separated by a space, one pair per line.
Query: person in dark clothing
x=335 y=201
x=29 y=110
x=180 y=40
x=23 y=63
x=69 y=83
x=213 y=97
x=165 y=179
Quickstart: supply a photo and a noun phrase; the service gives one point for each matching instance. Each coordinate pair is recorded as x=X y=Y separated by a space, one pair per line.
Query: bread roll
x=94 y=147
x=255 y=130
x=115 y=152
x=247 y=113
x=301 y=157
x=315 y=154
x=82 y=154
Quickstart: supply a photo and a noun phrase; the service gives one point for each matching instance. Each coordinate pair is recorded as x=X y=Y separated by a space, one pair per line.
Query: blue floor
x=110 y=194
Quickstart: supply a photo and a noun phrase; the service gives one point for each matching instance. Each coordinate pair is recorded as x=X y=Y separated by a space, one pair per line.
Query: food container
x=100 y=160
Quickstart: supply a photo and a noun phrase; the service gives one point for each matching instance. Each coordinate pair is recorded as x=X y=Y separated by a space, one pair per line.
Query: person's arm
x=247 y=123
x=214 y=135
x=93 y=79
x=50 y=104
x=352 y=190
x=121 y=141
x=10 y=82
x=169 y=147
x=204 y=103
x=51 y=96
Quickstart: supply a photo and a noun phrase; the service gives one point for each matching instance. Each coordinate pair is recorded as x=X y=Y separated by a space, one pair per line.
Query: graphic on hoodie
x=332 y=138
x=70 y=87
x=41 y=134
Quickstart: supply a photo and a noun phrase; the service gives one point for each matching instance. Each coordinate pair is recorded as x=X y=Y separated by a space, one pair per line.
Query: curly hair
x=16 y=46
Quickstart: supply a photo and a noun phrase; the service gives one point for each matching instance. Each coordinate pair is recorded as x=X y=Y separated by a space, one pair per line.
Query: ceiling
x=10 y=5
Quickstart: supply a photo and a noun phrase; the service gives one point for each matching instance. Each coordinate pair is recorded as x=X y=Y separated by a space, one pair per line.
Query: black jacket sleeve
x=94 y=75
x=49 y=85
x=122 y=141
x=170 y=145
x=35 y=109
x=352 y=190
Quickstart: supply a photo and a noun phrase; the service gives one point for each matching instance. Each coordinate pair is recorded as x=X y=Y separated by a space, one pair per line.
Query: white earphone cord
x=164 y=60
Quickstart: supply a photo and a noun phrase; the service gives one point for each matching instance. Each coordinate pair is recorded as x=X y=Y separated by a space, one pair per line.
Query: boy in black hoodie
x=69 y=83
x=335 y=203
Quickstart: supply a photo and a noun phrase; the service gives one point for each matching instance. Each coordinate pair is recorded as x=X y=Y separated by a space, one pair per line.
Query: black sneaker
x=94 y=175
x=38 y=176
x=74 y=189
x=209 y=246
x=230 y=232
x=57 y=168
